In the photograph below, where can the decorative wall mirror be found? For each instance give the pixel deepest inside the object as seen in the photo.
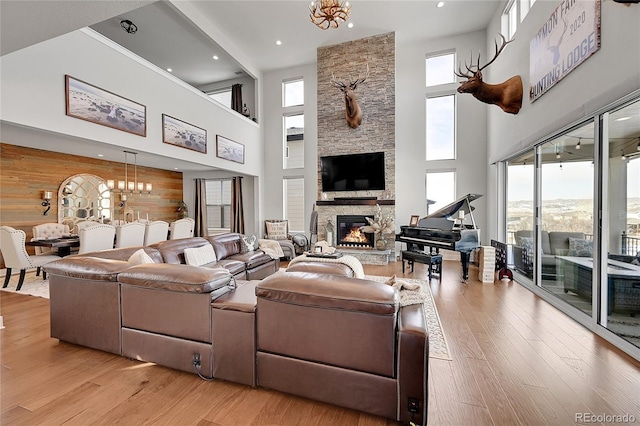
(83, 197)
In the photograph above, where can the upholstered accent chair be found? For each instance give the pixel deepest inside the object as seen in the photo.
(130, 235)
(14, 253)
(181, 228)
(155, 232)
(96, 238)
(278, 229)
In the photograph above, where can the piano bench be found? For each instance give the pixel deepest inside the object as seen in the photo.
(434, 261)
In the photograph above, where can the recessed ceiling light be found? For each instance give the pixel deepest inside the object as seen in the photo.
(623, 118)
(440, 4)
(169, 69)
(100, 155)
(350, 25)
(278, 42)
(215, 57)
(175, 168)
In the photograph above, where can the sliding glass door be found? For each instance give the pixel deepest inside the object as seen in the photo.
(566, 215)
(520, 202)
(621, 279)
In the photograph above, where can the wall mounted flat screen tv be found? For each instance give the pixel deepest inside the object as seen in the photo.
(353, 172)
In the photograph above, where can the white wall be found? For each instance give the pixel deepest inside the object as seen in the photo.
(411, 164)
(273, 140)
(611, 73)
(33, 95)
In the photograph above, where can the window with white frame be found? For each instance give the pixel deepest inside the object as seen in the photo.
(439, 69)
(293, 93)
(294, 141)
(441, 124)
(513, 14)
(218, 199)
(440, 90)
(293, 200)
(223, 96)
(440, 188)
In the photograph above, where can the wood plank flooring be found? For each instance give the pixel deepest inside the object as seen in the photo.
(516, 361)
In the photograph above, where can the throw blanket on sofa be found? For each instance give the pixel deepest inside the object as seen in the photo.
(271, 248)
(350, 261)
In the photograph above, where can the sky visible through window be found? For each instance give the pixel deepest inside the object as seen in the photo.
(440, 128)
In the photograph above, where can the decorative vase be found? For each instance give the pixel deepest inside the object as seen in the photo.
(381, 243)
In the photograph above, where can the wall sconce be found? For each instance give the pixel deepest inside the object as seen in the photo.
(46, 197)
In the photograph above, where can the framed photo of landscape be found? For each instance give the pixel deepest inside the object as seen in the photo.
(229, 150)
(182, 134)
(91, 103)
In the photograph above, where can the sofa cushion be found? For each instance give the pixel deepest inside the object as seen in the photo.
(560, 240)
(140, 257)
(183, 278)
(90, 268)
(252, 259)
(580, 247)
(226, 245)
(527, 245)
(124, 253)
(173, 250)
(234, 266)
(198, 256)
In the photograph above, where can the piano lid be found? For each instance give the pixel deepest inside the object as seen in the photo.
(450, 211)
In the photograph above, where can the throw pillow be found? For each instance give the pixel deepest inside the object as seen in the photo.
(580, 248)
(200, 255)
(140, 257)
(277, 230)
(249, 243)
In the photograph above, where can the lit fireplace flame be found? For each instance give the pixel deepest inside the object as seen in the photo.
(355, 236)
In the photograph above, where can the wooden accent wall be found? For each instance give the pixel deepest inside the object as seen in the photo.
(25, 173)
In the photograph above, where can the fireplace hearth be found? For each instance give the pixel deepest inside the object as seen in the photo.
(349, 234)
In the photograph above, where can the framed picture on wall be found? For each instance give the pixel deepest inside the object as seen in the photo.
(180, 133)
(91, 103)
(229, 150)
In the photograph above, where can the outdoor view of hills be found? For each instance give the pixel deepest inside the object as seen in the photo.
(565, 215)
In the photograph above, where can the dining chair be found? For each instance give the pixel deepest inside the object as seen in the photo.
(181, 228)
(96, 238)
(86, 224)
(130, 235)
(155, 232)
(46, 231)
(14, 253)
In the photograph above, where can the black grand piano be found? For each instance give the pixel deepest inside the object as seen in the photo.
(448, 229)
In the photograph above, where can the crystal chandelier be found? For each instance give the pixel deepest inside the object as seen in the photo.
(131, 186)
(329, 13)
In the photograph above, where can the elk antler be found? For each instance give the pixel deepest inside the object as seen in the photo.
(354, 84)
(340, 85)
(477, 66)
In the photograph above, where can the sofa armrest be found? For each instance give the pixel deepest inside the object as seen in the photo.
(413, 364)
(181, 278)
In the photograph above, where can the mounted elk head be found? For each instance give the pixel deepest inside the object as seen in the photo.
(353, 111)
(507, 95)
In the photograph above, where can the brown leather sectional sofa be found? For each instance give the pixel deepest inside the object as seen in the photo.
(315, 333)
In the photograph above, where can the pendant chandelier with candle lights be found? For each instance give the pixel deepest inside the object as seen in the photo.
(130, 186)
(329, 13)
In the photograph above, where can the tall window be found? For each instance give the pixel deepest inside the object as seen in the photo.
(223, 96)
(441, 188)
(293, 189)
(218, 204)
(441, 128)
(513, 14)
(294, 141)
(293, 93)
(440, 106)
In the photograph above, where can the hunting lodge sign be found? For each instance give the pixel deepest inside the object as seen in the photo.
(567, 39)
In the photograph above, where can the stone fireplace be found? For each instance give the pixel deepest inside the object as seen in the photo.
(349, 235)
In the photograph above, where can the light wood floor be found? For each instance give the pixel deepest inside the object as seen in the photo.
(516, 360)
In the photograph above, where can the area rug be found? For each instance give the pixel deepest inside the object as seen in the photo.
(438, 347)
(33, 286)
